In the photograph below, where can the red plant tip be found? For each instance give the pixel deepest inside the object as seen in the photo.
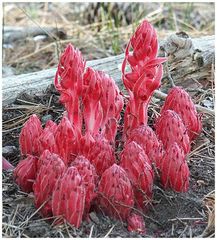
(66, 140)
(101, 154)
(70, 70)
(136, 223)
(147, 139)
(29, 135)
(170, 128)
(51, 168)
(25, 173)
(6, 165)
(89, 178)
(47, 139)
(68, 197)
(138, 168)
(115, 193)
(179, 101)
(174, 169)
(52, 126)
(46, 157)
(143, 59)
(144, 76)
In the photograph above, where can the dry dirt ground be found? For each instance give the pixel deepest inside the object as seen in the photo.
(172, 214)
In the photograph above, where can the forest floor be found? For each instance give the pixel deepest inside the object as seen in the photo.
(172, 214)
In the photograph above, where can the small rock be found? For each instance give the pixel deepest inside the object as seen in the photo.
(94, 217)
(8, 150)
(153, 226)
(45, 118)
(208, 103)
(7, 71)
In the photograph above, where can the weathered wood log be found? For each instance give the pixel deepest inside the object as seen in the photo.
(11, 33)
(189, 60)
(182, 61)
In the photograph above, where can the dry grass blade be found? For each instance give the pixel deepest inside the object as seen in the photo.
(197, 150)
(109, 232)
(91, 231)
(32, 215)
(209, 202)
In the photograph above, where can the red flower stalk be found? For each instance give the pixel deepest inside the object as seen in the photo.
(145, 76)
(179, 101)
(28, 140)
(170, 128)
(66, 140)
(136, 223)
(89, 178)
(138, 168)
(174, 169)
(25, 173)
(147, 139)
(115, 193)
(71, 70)
(102, 104)
(111, 99)
(68, 197)
(51, 168)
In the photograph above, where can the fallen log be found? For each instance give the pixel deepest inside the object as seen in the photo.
(12, 34)
(187, 59)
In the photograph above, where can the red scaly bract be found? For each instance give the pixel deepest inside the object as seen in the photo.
(136, 223)
(115, 193)
(52, 126)
(47, 138)
(66, 140)
(89, 178)
(144, 77)
(110, 129)
(170, 128)
(179, 101)
(29, 135)
(174, 169)
(101, 154)
(68, 197)
(147, 139)
(51, 168)
(138, 168)
(25, 173)
(111, 100)
(93, 113)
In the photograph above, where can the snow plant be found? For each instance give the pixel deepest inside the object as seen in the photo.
(71, 167)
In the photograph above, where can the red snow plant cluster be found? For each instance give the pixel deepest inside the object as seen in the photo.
(71, 167)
